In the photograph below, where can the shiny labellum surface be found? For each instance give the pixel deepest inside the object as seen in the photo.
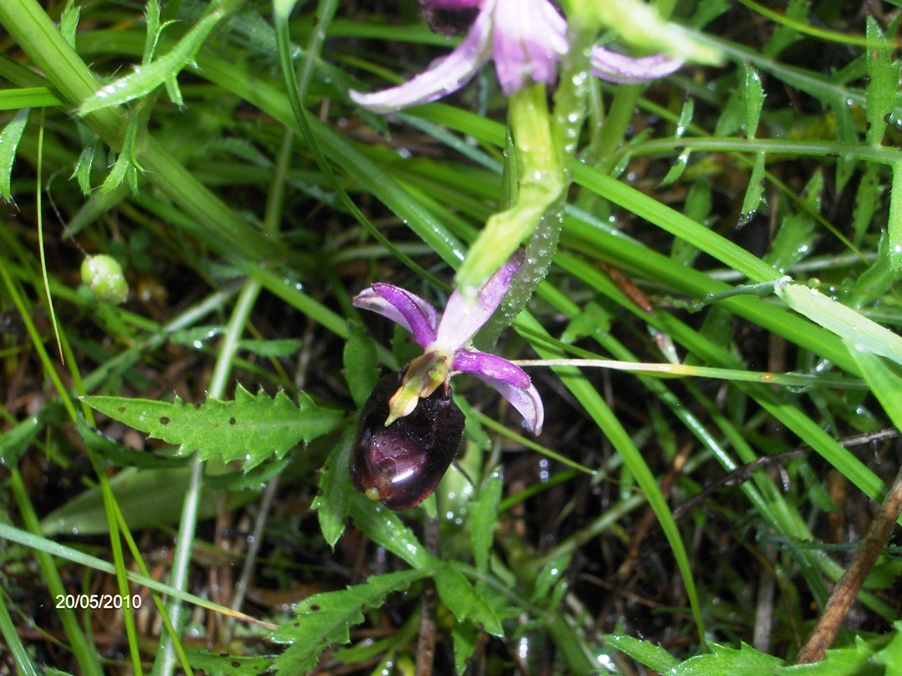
(402, 464)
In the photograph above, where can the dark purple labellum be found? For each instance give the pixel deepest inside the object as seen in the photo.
(448, 22)
(402, 464)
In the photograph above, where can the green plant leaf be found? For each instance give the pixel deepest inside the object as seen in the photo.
(894, 225)
(795, 237)
(324, 619)
(652, 656)
(69, 22)
(723, 661)
(250, 428)
(754, 194)
(386, 528)
(885, 384)
(214, 664)
(464, 636)
(15, 441)
(841, 320)
(361, 366)
(891, 654)
(162, 71)
(754, 101)
(335, 489)
(120, 455)
(274, 348)
(854, 660)
(9, 142)
(484, 516)
(462, 599)
(147, 498)
(881, 93)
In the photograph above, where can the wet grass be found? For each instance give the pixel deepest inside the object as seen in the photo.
(705, 211)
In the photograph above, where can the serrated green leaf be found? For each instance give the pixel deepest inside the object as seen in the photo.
(725, 661)
(69, 22)
(891, 654)
(461, 598)
(463, 635)
(652, 656)
(884, 575)
(162, 71)
(9, 142)
(483, 518)
(120, 455)
(881, 92)
(152, 25)
(361, 366)
(324, 619)
(754, 100)
(785, 35)
(754, 194)
(250, 428)
(82, 172)
(214, 664)
(848, 661)
(333, 502)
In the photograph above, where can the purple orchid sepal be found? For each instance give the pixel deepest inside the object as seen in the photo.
(447, 344)
(526, 39)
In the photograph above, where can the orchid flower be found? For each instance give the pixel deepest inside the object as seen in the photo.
(525, 38)
(410, 427)
(446, 344)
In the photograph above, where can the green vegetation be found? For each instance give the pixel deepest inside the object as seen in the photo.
(190, 203)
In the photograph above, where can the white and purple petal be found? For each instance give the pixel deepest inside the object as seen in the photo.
(622, 69)
(490, 366)
(527, 401)
(530, 37)
(463, 317)
(402, 307)
(447, 76)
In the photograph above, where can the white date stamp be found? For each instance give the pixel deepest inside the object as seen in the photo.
(97, 601)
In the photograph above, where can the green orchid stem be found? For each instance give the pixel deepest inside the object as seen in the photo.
(541, 183)
(554, 163)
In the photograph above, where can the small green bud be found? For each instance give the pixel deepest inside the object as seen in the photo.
(103, 275)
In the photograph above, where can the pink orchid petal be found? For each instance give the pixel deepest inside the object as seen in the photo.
(527, 401)
(463, 317)
(491, 366)
(622, 69)
(530, 37)
(402, 307)
(451, 73)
